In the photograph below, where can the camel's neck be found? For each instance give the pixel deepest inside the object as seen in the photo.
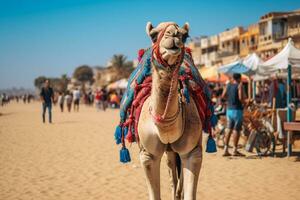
(161, 87)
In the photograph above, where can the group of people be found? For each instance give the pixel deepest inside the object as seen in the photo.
(5, 98)
(48, 99)
(68, 100)
(231, 98)
(229, 101)
(101, 97)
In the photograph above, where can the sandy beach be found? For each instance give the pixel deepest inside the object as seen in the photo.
(75, 158)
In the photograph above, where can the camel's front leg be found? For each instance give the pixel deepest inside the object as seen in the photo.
(151, 166)
(191, 163)
(173, 171)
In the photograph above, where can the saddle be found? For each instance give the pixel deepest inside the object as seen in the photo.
(191, 85)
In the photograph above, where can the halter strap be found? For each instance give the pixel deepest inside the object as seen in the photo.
(159, 62)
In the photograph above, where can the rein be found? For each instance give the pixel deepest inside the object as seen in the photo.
(161, 63)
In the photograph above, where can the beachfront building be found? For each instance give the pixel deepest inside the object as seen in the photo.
(272, 32)
(293, 27)
(195, 46)
(249, 40)
(105, 75)
(266, 38)
(209, 51)
(74, 83)
(229, 44)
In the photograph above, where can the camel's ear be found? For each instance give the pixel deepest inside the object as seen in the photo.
(185, 31)
(151, 32)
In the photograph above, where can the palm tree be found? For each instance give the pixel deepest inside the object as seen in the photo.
(118, 61)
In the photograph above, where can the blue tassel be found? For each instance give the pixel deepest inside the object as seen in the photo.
(124, 155)
(186, 94)
(213, 120)
(125, 131)
(118, 135)
(211, 145)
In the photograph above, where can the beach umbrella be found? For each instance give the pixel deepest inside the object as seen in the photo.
(219, 78)
(252, 61)
(119, 84)
(247, 65)
(211, 74)
(287, 60)
(235, 67)
(122, 84)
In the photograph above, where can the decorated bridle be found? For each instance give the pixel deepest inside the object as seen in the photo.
(159, 62)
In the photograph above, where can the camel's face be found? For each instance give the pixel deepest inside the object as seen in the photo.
(171, 43)
(172, 40)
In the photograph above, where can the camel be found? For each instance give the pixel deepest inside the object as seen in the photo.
(166, 124)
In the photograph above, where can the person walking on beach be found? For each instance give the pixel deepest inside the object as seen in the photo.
(76, 97)
(47, 98)
(103, 99)
(277, 94)
(24, 98)
(61, 100)
(234, 94)
(1, 99)
(69, 99)
(97, 99)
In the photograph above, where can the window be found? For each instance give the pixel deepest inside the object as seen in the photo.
(252, 40)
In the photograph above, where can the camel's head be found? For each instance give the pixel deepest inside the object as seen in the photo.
(170, 39)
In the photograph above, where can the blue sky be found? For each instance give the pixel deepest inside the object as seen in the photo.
(52, 37)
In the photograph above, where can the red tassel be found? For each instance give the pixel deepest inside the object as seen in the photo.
(129, 136)
(140, 54)
(188, 50)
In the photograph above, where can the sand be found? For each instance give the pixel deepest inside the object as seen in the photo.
(75, 158)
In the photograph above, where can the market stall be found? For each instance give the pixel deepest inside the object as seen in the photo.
(119, 84)
(287, 61)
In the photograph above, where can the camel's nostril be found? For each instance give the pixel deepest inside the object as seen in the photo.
(175, 33)
(174, 47)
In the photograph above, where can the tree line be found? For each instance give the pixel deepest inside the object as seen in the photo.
(85, 74)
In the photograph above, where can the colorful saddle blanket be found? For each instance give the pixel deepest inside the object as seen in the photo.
(139, 89)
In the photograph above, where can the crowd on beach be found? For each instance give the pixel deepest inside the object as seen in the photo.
(259, 111)
(230, 101)
(6, 99)
(101, 98)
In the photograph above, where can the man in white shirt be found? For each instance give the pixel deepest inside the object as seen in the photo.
(76, 97)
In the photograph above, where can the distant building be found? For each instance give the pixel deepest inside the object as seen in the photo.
(104, 76)
(249, 40)
(75, 84)
(209, 51)
(195, 46)
(229, 45)
(293, 21)
(266, 38)
(274, 30)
